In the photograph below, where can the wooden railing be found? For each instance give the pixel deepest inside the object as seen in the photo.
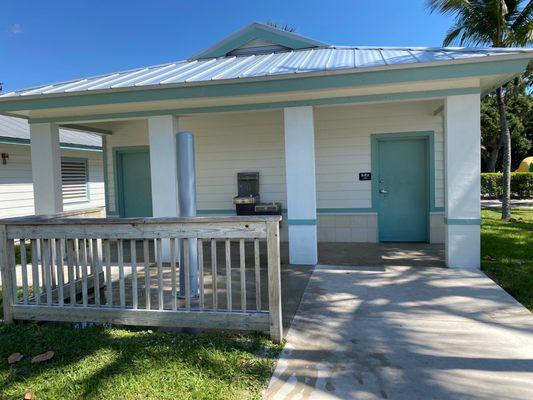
(112, 271)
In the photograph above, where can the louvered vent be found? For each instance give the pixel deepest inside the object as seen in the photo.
(74, 180)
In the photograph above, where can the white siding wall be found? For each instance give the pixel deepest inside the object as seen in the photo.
(253, 141)
(343, 146)
(16, 188)
(225, 144)
(231, 143)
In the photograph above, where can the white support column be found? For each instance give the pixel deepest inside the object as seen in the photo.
(163, 169)
(46, 168)
(301, 184)
(462, 181)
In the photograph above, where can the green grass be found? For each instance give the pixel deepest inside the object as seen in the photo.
(108, 363)
(507, 252)
(112, 363)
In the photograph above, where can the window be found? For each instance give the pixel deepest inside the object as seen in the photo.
(74, 178)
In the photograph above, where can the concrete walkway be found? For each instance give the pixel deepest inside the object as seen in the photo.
(527, 203)
(405, 333)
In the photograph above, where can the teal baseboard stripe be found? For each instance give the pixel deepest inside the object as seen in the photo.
(344, 210)
(301, 221)
(437, 209)
(462, 221)
(215, 212)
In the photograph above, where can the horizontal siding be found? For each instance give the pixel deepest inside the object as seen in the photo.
(343, 147)
(230, 143)
(225, 145)
(16, 188)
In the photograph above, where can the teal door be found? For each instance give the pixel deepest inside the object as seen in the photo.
(402, 190)
(134, 183)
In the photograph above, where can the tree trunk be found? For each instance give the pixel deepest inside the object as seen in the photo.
(506, 140)
(492, 159)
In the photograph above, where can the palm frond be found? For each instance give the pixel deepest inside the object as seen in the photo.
(447, 6)
(498, 23)
(453, 36)
(522, 26)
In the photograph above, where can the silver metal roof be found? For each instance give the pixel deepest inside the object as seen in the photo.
(18, 128)
(321, 59)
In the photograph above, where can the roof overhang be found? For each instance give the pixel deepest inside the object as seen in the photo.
(484, 74)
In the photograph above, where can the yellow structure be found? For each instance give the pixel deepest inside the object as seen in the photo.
(525, 165)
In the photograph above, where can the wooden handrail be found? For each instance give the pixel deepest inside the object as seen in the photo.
(63, 239)
(59, 219)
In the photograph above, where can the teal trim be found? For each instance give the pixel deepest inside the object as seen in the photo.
(269, 85)
(215, 212)
(269, 106)
(106, 176)
(257, 31)
(26, 142)
(8, 140)
(284, 211)
(301, 221)
(430, 135)
(87, 179)
(81, 128)
(81, 147)
(84, 128)
(117, 173)
(462, 221)
(344, 210)
(224, 212)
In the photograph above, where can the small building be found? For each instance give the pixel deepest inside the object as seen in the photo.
(81, 166)
(358, 144)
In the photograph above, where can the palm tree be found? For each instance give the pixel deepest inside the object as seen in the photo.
(496, 23)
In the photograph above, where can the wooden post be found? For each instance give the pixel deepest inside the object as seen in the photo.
(274, 282)
(7, 275)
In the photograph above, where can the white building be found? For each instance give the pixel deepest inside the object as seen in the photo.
(82, 169)
(358, 144)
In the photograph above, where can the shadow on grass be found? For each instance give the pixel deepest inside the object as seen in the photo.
(100, 362)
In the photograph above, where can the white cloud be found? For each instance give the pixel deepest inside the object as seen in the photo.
(15, 29)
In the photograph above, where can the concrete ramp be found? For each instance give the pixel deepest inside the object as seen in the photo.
(405, 333)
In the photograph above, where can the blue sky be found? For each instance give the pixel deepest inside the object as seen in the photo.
(49, 41)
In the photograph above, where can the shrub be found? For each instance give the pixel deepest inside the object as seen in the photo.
(521, 185)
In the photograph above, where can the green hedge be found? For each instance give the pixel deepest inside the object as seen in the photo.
(521, 185)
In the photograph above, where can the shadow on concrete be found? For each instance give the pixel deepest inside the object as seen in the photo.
(403, 332)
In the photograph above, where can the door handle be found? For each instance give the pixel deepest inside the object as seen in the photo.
(383, 191)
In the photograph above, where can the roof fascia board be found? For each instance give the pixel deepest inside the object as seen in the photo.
(294, 83)
(72, 127)
(66, 146)
(257, 31)
(418, 95)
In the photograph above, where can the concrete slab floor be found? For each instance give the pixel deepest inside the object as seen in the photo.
(382, 254)
(396, 332)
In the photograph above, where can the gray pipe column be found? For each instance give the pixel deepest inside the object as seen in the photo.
(187, 204)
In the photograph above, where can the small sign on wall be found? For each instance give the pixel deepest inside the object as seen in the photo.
(365, 176)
